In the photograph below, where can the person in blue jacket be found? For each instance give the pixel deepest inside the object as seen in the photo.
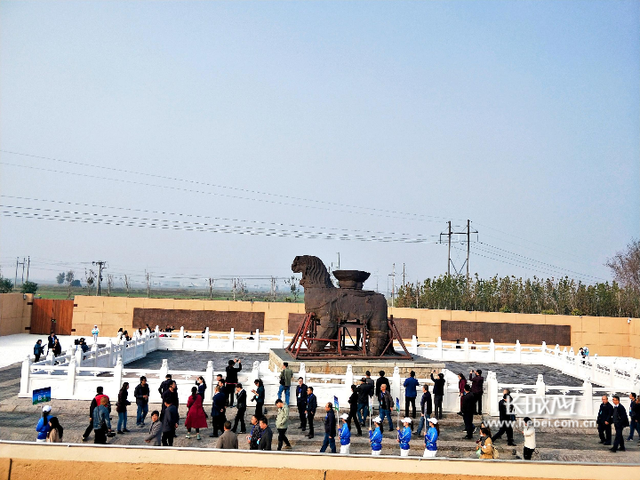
(431, 439)
(410, 394)
(345, 435)
(38, 350)
(375, 437)
(43, 424)
(404, 437)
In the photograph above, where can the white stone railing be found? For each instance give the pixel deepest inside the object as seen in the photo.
(613, 373)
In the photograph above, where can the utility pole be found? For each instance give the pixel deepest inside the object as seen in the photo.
(393, 286)
(211, 283)
(28, 266)
(101, 266)
(450, 233)
(148, 277)
(404, 275)
(338, 261)
(23, 265)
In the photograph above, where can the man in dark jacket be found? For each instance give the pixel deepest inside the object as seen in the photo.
(438, 394)
(218, 409)
(301, 401)
(410, 394)
(353, 410)
(255, 433)
(94, 404)
(425, 409)
(312, 405)
(164, 386)
(232, 379)
(634, 416)
(620, 421)
(468, 410)
(365, 391)
(382, 380)
(506, 420)
(265, 435)
(241, 405)
(604, 419)
(477, 388)
(228, 440)
(170, 419)
(329, 429)
(386, 406)
(171, 395)
(141, 393)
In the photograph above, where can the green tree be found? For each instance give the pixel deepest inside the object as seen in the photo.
(6, 285)
(60, 278)
(29, 287)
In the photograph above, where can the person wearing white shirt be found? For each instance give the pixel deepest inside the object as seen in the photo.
(529, 433)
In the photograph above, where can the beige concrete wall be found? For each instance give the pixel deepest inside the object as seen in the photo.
(56, 461)
(15, 313)
(603, 335)
(111, 313)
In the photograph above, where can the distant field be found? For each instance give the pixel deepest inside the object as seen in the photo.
(55, 292)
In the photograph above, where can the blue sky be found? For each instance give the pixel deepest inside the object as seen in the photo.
(521, 116)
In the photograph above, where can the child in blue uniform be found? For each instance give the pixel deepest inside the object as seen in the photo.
(404, 437)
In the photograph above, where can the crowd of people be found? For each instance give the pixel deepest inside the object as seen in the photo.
(614, 414)
(229, 392)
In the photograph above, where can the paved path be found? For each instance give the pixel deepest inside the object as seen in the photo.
(18, 419)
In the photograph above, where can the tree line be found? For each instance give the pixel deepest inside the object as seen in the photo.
(563, 296)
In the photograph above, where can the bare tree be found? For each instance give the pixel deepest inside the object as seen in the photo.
(109, 284)
(69, 277)
(294, 286)
(625, 266)
(127, 283)
(90, 279)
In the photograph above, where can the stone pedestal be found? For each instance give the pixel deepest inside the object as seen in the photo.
(422, 366)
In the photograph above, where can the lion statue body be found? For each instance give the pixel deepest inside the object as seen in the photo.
(332, 305)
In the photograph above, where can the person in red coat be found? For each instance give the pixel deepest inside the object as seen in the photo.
(196, 417)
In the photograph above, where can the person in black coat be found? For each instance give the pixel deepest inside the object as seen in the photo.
(353, 410)
(218, 409)
(170, 420)
(604, 419)
(506, 420)
(477, 388)
(164, 386)
(265, 435)
(365, 392)
(426, 407)
(301, 401)
(232, 379)
(382, 380)
(329, 429)
(312, 405)
(171, 395)
(468, 410)
(94, 404)
(438, 394)
(620, 421)
(241, 405)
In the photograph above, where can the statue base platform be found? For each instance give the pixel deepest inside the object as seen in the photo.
(422, 366)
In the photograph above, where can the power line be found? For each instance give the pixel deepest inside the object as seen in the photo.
(165, 224)
(377, 211)
(207, 217)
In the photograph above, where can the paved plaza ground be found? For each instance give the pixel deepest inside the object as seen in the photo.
(18, 418)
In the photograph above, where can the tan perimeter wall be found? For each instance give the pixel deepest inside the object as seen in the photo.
(603, 335)
(15, 313)
(61, 462)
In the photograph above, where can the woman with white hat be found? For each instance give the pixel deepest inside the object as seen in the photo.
(375, 437)
(404, 437)
(431, 439)
(43, 424)
(345, 435)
